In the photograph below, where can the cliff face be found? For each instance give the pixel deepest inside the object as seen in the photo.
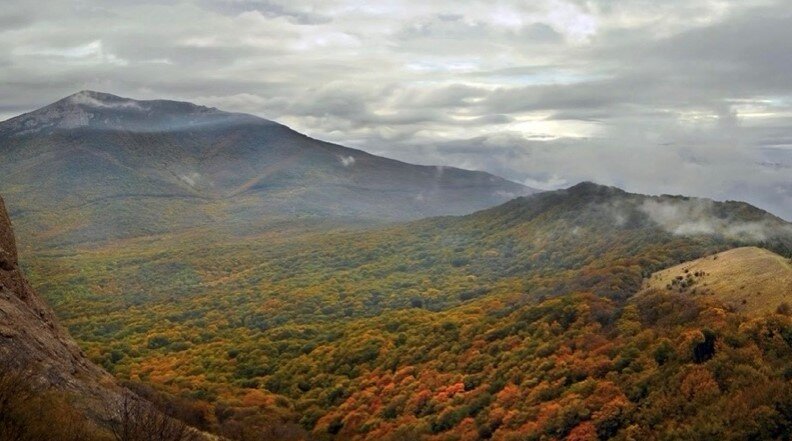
(32, 341)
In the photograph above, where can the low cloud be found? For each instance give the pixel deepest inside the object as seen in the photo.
(85, 99)
(347, 161)
(691, 217)
(190, 179)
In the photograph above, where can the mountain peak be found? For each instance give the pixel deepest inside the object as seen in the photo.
(92, 98)
(591, 188)
(96, 94)
(105, 111)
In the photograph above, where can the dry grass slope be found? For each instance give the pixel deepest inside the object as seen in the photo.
(749, 279)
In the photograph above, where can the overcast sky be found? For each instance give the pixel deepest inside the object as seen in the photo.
(676, 96)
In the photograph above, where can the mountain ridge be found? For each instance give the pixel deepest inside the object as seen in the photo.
(85, 109)
(101, 100)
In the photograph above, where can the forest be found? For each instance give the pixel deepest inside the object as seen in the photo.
(522, 322)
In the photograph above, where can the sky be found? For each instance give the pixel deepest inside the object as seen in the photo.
(686, 97)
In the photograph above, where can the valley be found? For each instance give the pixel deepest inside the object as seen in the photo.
(303, 328)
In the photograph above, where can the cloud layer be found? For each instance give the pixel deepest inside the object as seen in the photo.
(689, 97)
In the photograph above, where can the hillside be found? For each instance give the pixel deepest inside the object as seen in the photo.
(747, 279)
(511, 321)
(115, 167)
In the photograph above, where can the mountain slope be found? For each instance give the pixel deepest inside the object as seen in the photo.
(747, 279)
(115, 167)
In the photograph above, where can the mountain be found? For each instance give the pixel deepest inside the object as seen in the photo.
(116, 167)
(747, 279)
(516, 322)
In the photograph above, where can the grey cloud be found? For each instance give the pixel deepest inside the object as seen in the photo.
(11, 20)
(540, 32)
(454, 95)
(698, 216)
(685, 97)
(268, 8)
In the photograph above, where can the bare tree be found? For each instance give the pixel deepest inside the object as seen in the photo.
(31, 413)
(14, 391)
(136, 420)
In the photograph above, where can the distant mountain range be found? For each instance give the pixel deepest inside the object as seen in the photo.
(113, 167)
